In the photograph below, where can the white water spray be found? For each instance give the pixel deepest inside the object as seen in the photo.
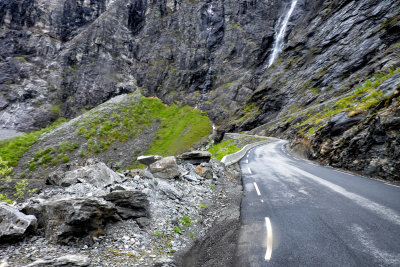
(278, 43)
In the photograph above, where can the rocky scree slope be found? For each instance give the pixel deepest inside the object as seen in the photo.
(92, 216)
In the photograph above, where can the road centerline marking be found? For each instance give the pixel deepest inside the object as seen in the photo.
(256, 187)
(268, 253)
(249, 170)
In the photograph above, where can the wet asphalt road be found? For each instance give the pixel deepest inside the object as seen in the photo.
(295, 213)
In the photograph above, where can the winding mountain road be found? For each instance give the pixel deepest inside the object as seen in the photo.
(295, 213)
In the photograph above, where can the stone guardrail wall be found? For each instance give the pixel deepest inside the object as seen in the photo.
(235, 157)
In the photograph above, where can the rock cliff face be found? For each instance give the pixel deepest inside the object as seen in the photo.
(58, 57)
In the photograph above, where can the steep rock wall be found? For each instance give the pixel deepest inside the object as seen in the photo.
(60, 57)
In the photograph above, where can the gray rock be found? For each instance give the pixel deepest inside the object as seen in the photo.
(143, 222)
(147, 174)
(192, 175)
(341, 122)
(66, 260)
(147, 160)
(204, 171)
(169, 190)
(14, 224)
(99, 175)
(129, 204)
(70, 218)
(195, 157)
(166, 168)
(58, 178)
(86, 190)
(392, 123)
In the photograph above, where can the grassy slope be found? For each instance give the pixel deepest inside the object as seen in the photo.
(104, 131)
(232, 144)
(12, 149)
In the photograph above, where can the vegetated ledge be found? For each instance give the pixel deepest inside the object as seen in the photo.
(358, 132)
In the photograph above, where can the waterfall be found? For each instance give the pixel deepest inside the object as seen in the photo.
(280, 35)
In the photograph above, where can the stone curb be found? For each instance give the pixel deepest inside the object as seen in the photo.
(235, 157)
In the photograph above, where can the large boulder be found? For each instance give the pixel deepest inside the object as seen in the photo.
(72, 218)
(129, 204)
(99, 175)
(147, 160)
(166, 168)
(14, 224)
(195, 157)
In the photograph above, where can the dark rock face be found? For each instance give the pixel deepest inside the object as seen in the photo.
(195, 157)
(129, 204)
(371, 147)
(68, 219)
(59, 57)
(71, 55)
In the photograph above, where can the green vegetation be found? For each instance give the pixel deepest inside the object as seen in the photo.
(185, 221)
(11, 150)
(56, 110)
(314, 90)
(52, 156)
(364, 98)
(223, 148)
(5, 170)
(248, 111)
(20, 187)
(177, 230)
(180, 128)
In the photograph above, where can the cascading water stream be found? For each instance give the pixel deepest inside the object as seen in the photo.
(280, 35)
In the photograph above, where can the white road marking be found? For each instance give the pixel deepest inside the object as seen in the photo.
(249, 170)
(247, 161)
(247, 155)
(256, 187)
(268, 253)
(386, 213)
(392, 185)
(262, 201)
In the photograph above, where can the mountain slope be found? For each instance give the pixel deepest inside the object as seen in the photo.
(60, 57)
